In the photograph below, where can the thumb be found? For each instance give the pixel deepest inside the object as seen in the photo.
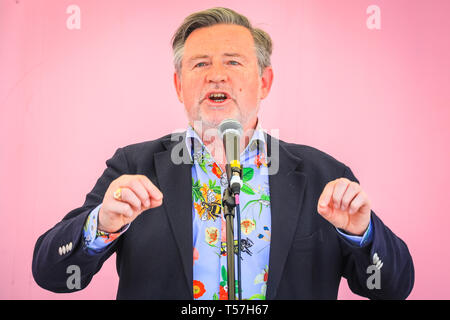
(323, 205)
(324, 209)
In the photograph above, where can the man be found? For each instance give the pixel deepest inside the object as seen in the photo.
(306, 221)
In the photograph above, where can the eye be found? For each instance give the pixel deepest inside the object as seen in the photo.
(234, 63)
(200, 64)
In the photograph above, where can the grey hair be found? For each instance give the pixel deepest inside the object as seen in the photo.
(218, 15)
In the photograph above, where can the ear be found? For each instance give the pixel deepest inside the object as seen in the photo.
(177, 83)
(266, 81)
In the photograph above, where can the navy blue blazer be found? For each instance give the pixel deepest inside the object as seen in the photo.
(307, 259)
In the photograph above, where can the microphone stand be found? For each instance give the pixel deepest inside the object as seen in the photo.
(230, 202)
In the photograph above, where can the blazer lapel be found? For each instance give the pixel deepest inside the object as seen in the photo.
(176, 185)
(287, 188)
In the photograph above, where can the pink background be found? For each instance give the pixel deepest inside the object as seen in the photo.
(378, 100)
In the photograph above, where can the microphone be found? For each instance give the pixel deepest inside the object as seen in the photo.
(230, 131)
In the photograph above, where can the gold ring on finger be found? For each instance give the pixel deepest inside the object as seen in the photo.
(118, 194)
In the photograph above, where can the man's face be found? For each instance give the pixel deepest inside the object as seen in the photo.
(220, 76)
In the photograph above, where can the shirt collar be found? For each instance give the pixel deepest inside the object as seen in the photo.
(258, 141)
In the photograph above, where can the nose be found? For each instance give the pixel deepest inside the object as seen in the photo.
(216, 74)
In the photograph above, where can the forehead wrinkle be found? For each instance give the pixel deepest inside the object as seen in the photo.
(235, 55)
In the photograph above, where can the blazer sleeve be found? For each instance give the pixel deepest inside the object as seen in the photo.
(382, 269)
(62, 247)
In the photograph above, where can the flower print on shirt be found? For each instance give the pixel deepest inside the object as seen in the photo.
(223, 289)
(247, 226)
(261, 278)
(216, 170)
(107, 237)
(260, 160)
(196, 255)
(262, 201)
(209, 232)
(199, 289)
(203, 159)
(211, 236)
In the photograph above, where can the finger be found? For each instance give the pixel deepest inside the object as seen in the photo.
(339, 189)
(155, 203)
(351, 192)
(122, 208)
(139, 189)
(325, 197)
(152, 190)
(358, 203)
(127, 195)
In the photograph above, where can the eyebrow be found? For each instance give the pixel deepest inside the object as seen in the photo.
(199, 56)
(204, 56)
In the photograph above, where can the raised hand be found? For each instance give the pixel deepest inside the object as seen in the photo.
(126, 198)
(345, 205)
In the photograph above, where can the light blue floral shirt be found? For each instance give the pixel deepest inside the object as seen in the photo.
(209, 238)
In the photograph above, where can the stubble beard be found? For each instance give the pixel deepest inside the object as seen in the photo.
(202, 122)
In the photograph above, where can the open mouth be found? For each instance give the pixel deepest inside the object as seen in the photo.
(217, 97)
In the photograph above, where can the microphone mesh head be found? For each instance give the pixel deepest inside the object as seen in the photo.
(232, 125)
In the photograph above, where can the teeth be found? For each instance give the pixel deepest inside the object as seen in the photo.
(218, 95)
